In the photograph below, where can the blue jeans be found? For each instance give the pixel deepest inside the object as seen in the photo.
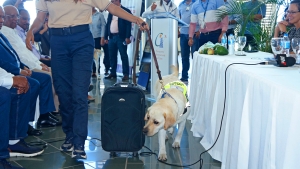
(72, 58)
(185, 53)
(116, 43)
(14, 117)
(42, 86)
(212, 36)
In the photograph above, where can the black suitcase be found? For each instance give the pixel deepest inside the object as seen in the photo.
(122, 118)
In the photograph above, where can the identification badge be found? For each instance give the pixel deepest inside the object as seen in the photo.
(187, 8)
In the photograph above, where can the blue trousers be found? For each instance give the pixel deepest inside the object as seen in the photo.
(115, 44)
(186, 50)
(72, 58)
(212, 36)
(14, 117)
(41, 83)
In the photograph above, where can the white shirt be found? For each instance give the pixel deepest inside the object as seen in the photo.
(164, 8)
(6, 79)
(25, 55)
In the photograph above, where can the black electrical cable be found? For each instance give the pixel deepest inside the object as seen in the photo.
(146, 154)
(201, 160)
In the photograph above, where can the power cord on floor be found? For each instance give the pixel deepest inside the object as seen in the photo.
(146, 154)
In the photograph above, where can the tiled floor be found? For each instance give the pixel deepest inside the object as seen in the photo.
(97, 158)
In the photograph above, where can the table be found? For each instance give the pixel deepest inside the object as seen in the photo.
(262, 116)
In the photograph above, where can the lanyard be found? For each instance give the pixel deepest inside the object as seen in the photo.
(205, 9)
(169, 6)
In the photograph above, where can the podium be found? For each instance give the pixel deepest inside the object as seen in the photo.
(164, 34)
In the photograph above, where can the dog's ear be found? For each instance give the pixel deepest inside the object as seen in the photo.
(146, 116)
(169, 120)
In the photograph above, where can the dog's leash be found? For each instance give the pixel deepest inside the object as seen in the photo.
(159, 72)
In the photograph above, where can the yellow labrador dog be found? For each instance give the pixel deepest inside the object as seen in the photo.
(167, 112)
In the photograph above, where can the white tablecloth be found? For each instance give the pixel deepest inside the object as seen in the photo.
(262, 117)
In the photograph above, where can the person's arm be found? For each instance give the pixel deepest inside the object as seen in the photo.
(119, 12)
(150, 10)
(102, 23)
(128, 28)
(37, 24)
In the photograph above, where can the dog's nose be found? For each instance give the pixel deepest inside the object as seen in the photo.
(145, 131)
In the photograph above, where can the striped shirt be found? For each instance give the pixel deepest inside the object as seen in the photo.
(204, 13)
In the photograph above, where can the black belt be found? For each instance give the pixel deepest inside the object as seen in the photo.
(69, 30)
(114, 34)
(212, 32)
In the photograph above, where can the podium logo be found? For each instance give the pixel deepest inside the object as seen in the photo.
(159, 40)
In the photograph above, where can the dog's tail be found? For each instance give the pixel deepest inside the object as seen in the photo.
(174, 70)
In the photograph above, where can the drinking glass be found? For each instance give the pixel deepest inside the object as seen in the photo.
(276, 45)
(296, 48)
(241, 43)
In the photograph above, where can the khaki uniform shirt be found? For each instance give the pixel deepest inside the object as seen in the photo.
(66, 13)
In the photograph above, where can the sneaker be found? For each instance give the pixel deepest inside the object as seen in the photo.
(110, 76)
(67, 146)
(22, 149)
(99, 77)
(6, 165)
(91, 87)
(79, 152)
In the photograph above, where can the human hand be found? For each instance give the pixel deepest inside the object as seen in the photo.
(191, 42)
(45, 67)
(143, 25)
(102, 42)
(21, 83)
(28, 70)
(286, 23)
(25, 73)
(153, 6)
(29, 40)
(128, 41)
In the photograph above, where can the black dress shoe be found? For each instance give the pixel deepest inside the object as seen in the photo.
(55, 113)
(33, 132)
(110, 76)
(47, 122)
(53, 117)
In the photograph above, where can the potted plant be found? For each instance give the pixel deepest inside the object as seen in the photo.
(263, 32)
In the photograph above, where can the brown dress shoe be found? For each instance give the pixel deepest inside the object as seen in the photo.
(126, 77)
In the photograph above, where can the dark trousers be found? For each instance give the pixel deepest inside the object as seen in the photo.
(42, 87)
(106, 61)
(186, 50)
(251, 41)
(14, 117)
(72, 58)
(212, 36)
(115, 44)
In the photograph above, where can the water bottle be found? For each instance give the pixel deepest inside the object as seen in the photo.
(224, 40)
(286, 44)
(231, 42)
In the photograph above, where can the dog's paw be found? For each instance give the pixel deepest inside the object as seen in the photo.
(162, 157)
(170, 130)
(176, 145)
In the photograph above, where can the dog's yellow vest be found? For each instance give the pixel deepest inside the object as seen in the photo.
(178, 85)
